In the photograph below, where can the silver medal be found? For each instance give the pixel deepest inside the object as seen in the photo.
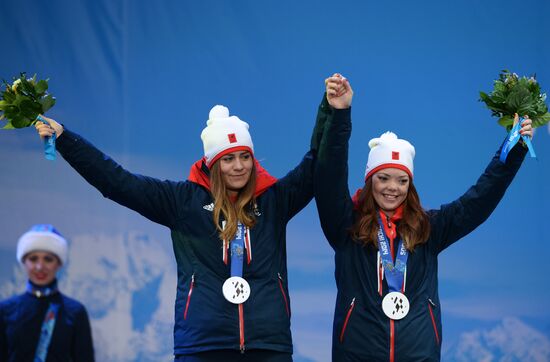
(395, 305)
(236, 290)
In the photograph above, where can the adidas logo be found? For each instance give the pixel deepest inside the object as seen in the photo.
(210, 207)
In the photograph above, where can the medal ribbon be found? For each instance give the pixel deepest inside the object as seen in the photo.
(49, 142)
(395, 273)
(46, 333)
(512, 139)
(237, 252)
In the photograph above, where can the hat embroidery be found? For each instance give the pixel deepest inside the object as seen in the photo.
(232, 138)
(395, 155)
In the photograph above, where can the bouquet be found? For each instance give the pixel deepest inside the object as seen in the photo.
(23, 100)
(22, 103)
(513, 94)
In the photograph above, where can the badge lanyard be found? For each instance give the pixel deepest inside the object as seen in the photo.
(46, 333)
(395, 273)
(237, 252)
(395, 304)
(236, 289)
(513, 138)
(49, 142)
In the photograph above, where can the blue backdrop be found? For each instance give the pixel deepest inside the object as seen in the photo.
(138, 78)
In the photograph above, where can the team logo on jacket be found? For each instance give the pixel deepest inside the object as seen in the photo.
(256, 210)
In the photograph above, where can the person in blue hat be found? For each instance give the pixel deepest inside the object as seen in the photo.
(42, 324)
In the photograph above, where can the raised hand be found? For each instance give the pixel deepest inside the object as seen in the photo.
(339, 92)
(47, 130)
(526, 126)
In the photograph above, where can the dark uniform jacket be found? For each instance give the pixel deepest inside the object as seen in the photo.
(204, 320)
(21, 319)
(361, 330)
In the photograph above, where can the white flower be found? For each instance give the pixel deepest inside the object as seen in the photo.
(15, 84)
(532, 80)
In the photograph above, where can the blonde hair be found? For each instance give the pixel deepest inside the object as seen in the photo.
(232, 211)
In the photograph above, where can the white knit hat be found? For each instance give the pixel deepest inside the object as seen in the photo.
(388, 151)
(42, 237)
(224, 134)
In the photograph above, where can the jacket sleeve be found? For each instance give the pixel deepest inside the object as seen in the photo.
(152, 198)
(296, 188)
(83, 347)
(334, 203)
(460, 217)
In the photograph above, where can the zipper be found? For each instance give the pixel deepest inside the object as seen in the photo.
(348, 315)
(241, 327)
(283, 293)
(432, 305)
(392, 340)
(189, 296)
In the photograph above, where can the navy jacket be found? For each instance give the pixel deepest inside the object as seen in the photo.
(204, 320)
(361, 331)
(21, 319)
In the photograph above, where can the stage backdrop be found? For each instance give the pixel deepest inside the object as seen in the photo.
(138, 78)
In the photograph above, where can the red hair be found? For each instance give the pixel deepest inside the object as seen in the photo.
(414, 227)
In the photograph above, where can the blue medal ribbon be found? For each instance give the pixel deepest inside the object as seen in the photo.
(394, 272)
(49, 142)
(237, 252)
(512, 139)
(46, 333)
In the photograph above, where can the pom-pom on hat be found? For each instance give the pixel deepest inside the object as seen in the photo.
(224, 134)
(388, 151)
(42, 237)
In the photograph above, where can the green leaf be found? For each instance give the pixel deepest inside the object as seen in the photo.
(20, 122)
(26, 88)
(41, 87)
(8, 126)
(517, 99)
(9, 97)
(30, 109)
(506, 121)
(11, 111)
(47, 102)
(541, 120)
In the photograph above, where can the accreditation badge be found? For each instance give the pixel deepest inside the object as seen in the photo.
(395, 305)
(236, 290)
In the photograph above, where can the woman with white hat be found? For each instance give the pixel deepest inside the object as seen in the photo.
(42, 324)
(228, 226)
(386, 245)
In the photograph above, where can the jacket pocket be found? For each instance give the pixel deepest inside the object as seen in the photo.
(285, 300)
(431, 306)
(346, 320)
(191, 286)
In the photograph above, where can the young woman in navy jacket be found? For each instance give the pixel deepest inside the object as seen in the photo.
(228, 226)
(386, 245)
